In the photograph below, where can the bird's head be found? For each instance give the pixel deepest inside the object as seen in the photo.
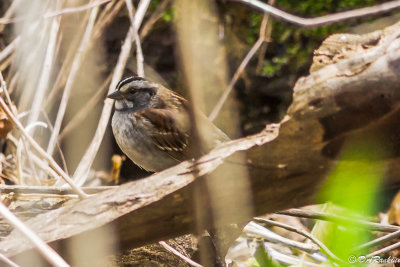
(133, 94)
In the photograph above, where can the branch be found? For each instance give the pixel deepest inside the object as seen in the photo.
(303, 233)
(323, 20)
(76, 65)
(214, 113)
(340, 220)
(44, 249)
(58, 13)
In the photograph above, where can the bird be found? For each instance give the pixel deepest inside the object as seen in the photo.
(151, 125)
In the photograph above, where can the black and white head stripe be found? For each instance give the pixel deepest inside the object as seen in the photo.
(128, 80)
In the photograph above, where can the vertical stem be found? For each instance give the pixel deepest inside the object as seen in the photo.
(46, 69)
(71, 78)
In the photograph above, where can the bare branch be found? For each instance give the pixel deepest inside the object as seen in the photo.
(257, 230)
(8, 261)
(44, 79)
(303, 233)
(43, 248)
(9, 49)
(26, 189)
(378, 241)
(156, 15)
(139, 53)
(264, 46)
(180, 255)
(214, 113)
(80, 55)
(323, 20)
(384, 250)
(58, 13)
(340, 220)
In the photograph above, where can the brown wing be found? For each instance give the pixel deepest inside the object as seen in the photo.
(167, 133)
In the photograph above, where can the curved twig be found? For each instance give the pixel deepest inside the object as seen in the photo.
(322, 20)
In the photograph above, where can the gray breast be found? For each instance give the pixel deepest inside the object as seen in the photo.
(136, 143)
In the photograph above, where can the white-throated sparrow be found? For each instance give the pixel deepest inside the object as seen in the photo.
(152, 127)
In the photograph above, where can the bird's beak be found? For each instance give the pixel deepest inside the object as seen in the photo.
(116, 95)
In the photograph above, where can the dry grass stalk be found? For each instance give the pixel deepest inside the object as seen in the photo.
(43, 248)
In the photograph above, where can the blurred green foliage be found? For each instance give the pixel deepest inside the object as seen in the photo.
(354, 185)
(294, 46)
(168, 16)
(262, 259)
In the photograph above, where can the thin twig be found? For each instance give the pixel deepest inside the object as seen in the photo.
(180, 255)
(322, 20)
(287, 259)
(44, 78)
(29, 189)
(30, 161)
(3, 87)
(65, 68)
(18, 156)
(61, 79)
(9, 13)
(314, 230)
(5, 52)
(140, 12)
(43, 248)
(106, 19)
(70, 10)
(214, 113)
(340, 220)
(264, 46)
(83, 168)
(5, 64)
(255, 229)
(139, 52)
(79, 56)
(378, 241)
(21, 142)
(38, 161)
(58, 197)
(40, 150)
(58, 13)
(106, 9)
(384, 250)
(13, 82)
(303, 233)
(51, 128)
(8, 261)
(155, 16)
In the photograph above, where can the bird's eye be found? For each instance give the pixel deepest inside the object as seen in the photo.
(133, 91)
